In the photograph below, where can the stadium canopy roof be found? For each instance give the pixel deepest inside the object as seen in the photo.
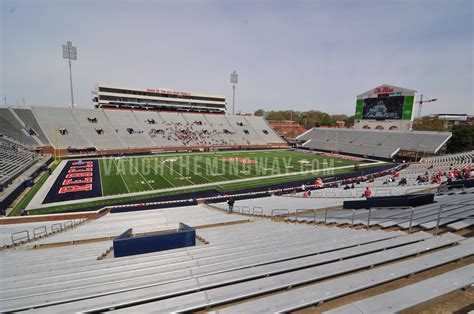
(387, 89)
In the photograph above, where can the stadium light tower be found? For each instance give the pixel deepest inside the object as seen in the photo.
(234, 78)
(70, 53)
(421, 102)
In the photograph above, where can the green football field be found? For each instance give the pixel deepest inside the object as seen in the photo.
(238, 169)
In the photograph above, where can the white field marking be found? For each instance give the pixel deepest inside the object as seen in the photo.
(213, 175)
(192, 183)
(101, 184)
(200, 175)
(163, 176)
(130, 162)
(194, 154)
(126, 186)
(205, 185)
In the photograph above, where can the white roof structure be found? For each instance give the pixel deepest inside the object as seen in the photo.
(386, 89)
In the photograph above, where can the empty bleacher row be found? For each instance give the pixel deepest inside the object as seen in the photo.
(142, 222)
(454, 212)
(104, 130)
(11, 126)
(371, 142)
(240, 261)
(451, 159)
(14, 159)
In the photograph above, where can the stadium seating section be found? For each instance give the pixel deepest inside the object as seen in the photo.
(114, 130)
(14, 159)
(266, 257)
(373, 143)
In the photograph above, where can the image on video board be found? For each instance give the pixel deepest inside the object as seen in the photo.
(383, 108)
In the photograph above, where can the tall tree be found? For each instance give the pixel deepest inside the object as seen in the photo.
(462, 139)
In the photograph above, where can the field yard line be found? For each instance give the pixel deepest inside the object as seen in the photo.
(163, 176)
(101, 184)
(130, 162)
(116, 167)
(179, 174)
(201, 176)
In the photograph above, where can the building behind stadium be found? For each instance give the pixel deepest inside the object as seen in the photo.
(115, 96)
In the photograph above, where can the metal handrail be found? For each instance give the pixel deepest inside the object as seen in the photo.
(279, 209)
(259, 209)
(21, 238)
(301, 210)
(247, 208)
(383, 190)
(438, 219)
(68, 224)
(370, 217)
(393, 218)
(53, 229)
(44, 231)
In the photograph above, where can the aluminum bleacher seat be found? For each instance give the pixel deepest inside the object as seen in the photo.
(90, 121)
(128, 129)
(404, 298)
(298, 298)
(29, 120)
(244, 129)
(220, 123)
(14, 160)
(12, 127)
(374, 143)
(52, 120)
(265, 131)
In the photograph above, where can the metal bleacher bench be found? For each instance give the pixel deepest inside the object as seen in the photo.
(412, 295)
(310, 295)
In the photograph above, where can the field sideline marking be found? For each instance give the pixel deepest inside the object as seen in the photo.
(126, 186)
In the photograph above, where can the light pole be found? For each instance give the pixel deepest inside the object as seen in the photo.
(70, 53)
(5, 100)
(234, 78)
(421, 102)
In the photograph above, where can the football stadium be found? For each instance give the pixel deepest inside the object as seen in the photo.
(158, 200)
(135, 207)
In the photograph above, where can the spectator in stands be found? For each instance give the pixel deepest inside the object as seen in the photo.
(346, 187)
(403, 181)
(303, 187)
(230, 203)
(367, 192)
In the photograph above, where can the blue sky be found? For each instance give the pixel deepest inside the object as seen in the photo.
(299, 55)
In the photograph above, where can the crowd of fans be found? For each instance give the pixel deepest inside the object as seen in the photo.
(441, 177)
(194, 133)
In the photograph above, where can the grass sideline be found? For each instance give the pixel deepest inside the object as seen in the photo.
(23, 203)
(222, 188)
